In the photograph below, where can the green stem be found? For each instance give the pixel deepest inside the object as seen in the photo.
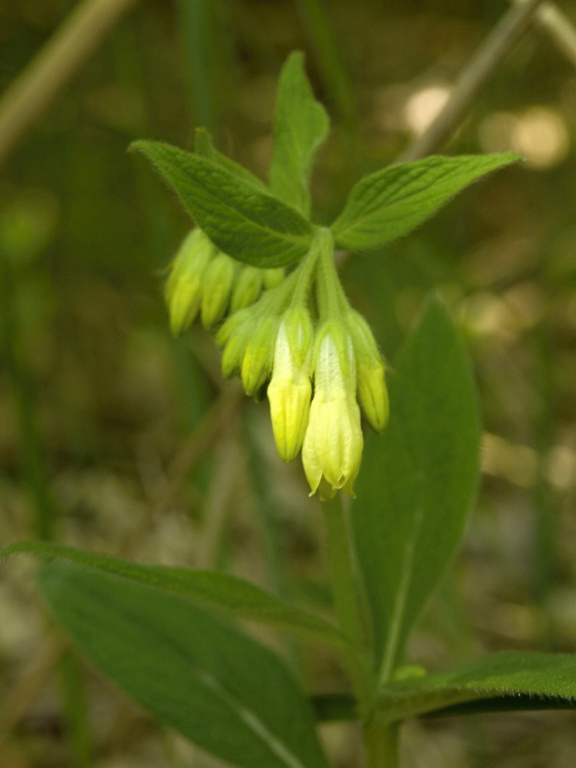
(75, 708)
(304, 276)
(381, 743)
(347, 602)
(330, 291)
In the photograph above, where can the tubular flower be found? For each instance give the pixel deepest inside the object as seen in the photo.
(183, 290)
(370, 372)
(204, 280)
(217, 287)
(258, 355)
(333, 443)
(290, 388)
(247, 289)
(297, 333)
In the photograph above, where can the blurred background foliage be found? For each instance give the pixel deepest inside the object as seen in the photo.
(117, 438)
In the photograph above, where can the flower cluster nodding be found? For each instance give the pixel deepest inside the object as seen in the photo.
(294, 336)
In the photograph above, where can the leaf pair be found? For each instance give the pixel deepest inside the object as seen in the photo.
(270, 227)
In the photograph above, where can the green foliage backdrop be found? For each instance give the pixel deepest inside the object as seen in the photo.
(115, 438)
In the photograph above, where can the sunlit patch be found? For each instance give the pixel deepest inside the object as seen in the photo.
(561, 467)
(486, 314)
(540, 134)
(513, 462)
(424, 105)
(505, 316)
(542, 137)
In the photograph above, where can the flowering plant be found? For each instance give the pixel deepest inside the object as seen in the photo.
(296, 329)
(257, 269)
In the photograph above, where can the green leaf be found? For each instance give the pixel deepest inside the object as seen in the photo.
(300, 126)
(204, 147)
(245, 222)
(391, 202)
(217, 687)
(417, 483)
(217, 591)
(504, 681)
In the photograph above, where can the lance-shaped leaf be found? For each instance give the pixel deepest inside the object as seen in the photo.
(219, 688)
(505, 681)
(220, 592)
(204, 147)
(391, 202)
(244, 221)
(300, 126)
(417, 483)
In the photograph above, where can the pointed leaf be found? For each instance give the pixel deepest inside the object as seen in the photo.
(391, 202)
(300, 126)
(504, 681)
(244, 221)
(217, 687)
(417, 483)
(218, 591)
(204, 147)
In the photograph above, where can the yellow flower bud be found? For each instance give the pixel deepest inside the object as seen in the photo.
(373, 395)
(290, 388)
(216, 287)
(257, 360)
(183, 290)
(184, 303)
(233, 336)
(247, 289)
(370, 372)
(333, 443)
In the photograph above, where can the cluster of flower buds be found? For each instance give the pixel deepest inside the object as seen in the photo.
(205, 282)
(345, 368)
(296, 339)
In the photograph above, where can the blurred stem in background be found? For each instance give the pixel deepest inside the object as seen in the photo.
(336, 75)
(544, 501)
(36, 479)
(197, 32)
(54, 66)
(34, 471)
(500, 41)
(38, 86)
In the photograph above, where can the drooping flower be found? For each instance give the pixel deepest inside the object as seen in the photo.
(332, 448)
(217, 285)
(290, 388)
(298, 335)
(370, 372)
(204, 280)
(183, 290)
(258, 355)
